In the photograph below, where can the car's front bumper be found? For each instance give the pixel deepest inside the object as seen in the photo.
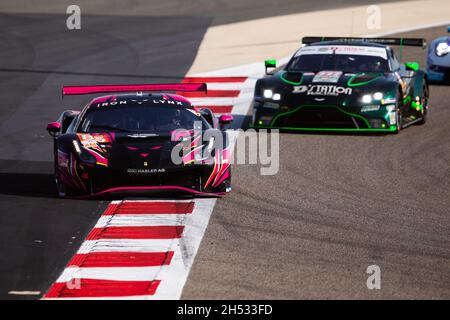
(326, 118)
(192, 179)
(438, 74)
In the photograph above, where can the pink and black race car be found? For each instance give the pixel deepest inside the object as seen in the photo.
(140, 142)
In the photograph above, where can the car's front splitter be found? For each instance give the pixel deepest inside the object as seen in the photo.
(142, 190)
(438, 77)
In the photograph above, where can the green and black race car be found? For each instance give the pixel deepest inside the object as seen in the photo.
(343, 84)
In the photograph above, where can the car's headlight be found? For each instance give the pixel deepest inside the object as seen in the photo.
(378, 95)
(442, 49)
(269, 94)
(368, 98)
(276, 97)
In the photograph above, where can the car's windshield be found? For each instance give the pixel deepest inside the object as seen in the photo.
(349, 63)
(139, 119)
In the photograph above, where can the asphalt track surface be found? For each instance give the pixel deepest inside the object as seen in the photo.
(338, 204)
(219, 12)
(39, 232)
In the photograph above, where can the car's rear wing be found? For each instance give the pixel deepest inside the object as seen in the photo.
(188, 87)
(414, 42)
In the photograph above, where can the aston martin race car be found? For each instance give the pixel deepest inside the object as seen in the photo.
(343, 84)
(438, 60)
(140, 142)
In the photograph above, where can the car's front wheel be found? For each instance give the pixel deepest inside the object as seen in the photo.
(399, 120)
(61, 188)
(425, 96)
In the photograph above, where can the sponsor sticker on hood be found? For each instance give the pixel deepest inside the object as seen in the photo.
(91, 140)
(327, 76)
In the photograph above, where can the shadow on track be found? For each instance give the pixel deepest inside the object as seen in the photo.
(28, 184)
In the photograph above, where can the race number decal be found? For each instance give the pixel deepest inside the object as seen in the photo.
(327, 76)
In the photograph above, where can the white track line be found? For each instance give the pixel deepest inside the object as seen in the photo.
(143, 220)
(124, 245)
(173, 276)
(114, 273)
(172, 281)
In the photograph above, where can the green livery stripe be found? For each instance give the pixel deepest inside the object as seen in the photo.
(351, 84)
(391, 129)
(291, 82)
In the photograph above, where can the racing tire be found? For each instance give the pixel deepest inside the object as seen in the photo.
(398, 114)
(61, 188)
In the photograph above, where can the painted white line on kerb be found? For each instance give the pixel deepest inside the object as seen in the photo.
(127, 245)
(114, 273)
(172, 276)
(173, 280)
(127, 220)
(24, 293)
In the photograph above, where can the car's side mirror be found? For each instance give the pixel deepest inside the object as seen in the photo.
(412, 66)
(54, 128)
(448, 29)
(270, 64)
(225, 119)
